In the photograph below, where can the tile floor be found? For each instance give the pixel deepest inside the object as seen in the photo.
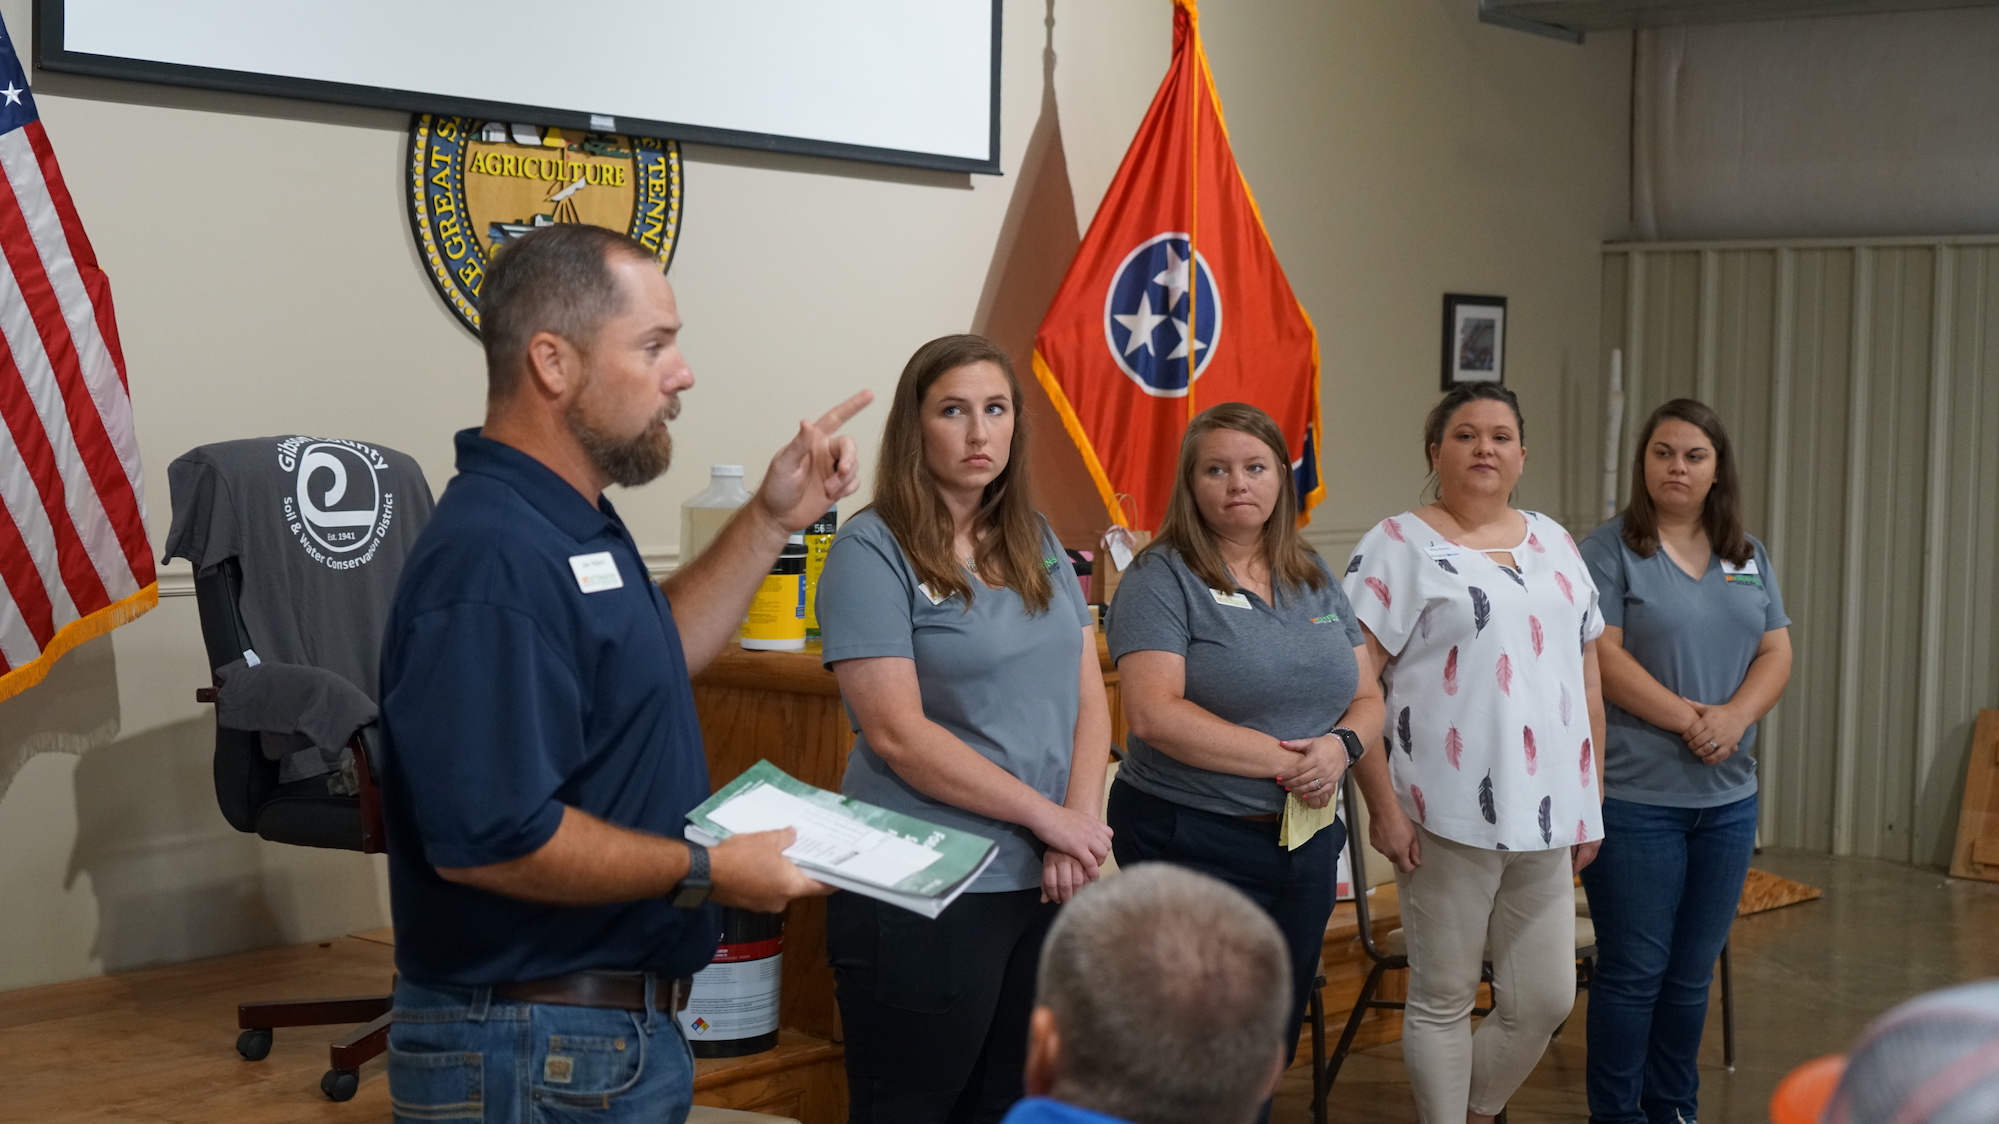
(1807, 979)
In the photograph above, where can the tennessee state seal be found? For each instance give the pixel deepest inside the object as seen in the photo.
(476, 185)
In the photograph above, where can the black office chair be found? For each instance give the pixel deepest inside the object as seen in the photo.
(297, 543)
(1389, 955)
(303, 814)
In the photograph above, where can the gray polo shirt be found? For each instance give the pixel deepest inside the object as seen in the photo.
(1000, 679)
(1697, 638)
(1286, 670)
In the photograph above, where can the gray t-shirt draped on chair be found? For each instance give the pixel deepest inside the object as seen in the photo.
(1286, 670)
(321, 526)
(1697, 637)
(1001, 680)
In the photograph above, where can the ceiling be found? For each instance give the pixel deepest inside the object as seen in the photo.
(1568, 19)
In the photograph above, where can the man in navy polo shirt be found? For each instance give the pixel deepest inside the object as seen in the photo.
(542, 751)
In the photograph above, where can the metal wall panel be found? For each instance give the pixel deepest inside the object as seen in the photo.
(1860, 382)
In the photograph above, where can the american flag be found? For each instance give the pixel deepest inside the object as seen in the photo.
(74, 560)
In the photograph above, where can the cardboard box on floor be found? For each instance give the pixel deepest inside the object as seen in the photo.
(1977, 851)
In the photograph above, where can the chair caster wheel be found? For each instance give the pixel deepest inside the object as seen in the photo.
(340, 1084)
(254, 1045)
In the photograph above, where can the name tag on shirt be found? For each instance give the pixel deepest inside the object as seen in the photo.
(935, 597)
(1745, 573)
(597, 572)
(1234, 600)
(1442, 550)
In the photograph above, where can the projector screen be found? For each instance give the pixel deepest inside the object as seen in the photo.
(912, 82)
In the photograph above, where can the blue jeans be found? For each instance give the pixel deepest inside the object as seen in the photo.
(456, 1053)
(1662, 892)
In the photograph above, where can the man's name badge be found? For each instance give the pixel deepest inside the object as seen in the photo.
(597, 572)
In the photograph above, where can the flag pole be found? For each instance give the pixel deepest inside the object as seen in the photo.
(1193, 197)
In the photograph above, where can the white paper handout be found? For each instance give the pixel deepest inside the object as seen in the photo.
(826, 838)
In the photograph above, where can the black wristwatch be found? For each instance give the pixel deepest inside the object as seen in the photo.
(693, 889)
(1355, 750)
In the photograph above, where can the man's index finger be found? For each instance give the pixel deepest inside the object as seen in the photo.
(836, 417)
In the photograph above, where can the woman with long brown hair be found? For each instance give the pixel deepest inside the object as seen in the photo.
(968, 662)
(1696, 650)
(1241, 670)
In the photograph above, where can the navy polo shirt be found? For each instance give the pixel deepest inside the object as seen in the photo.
(507, 693)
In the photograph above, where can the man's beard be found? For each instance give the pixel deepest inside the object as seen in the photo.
(628, 461)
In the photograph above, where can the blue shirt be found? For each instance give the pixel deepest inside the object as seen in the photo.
(507, 693)
(1697, 637)
(1041, 1110)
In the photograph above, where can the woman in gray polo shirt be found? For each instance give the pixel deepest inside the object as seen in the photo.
(1240, 665)
(1695, 651)
(969, 665)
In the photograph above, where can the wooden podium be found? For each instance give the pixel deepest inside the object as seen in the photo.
(782, 706)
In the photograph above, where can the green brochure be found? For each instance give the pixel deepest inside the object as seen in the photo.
(902, 860)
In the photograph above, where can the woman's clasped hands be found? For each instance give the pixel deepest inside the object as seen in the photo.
(1716, 731)
(1078, 843)
(1315, 779)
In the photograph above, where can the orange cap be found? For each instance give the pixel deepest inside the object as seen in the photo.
(1805, 1091)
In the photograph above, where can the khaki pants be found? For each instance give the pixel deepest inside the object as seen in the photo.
(1460, 902)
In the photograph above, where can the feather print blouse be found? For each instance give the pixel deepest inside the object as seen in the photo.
(1488, 729)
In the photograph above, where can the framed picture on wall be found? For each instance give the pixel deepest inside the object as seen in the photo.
(1474, 339)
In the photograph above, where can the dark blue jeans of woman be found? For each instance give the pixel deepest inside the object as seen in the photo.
(1662, 892)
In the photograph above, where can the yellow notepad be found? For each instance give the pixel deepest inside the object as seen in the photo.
(1302, 821)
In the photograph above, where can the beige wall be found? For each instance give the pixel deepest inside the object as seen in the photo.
(1400, 151)
(266, 283)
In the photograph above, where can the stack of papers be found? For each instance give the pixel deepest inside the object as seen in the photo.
(898, 859)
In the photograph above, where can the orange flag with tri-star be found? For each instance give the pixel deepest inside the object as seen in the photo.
(1176, 302)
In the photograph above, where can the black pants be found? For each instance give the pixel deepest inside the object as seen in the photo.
(935, 1012)
(1294, 887)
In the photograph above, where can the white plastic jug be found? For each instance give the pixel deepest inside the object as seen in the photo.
(704, 516)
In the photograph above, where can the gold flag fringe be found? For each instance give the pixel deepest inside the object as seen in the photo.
(76, 632)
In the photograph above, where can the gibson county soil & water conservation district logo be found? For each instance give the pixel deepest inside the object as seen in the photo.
(336, 509)
(476, 185)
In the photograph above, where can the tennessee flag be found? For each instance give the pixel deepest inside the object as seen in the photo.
(1175, 302)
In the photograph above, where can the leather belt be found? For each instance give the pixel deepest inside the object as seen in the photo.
(620, 991)
(1261, 817)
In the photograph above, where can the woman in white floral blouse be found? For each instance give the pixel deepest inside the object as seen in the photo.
(1484, 622)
